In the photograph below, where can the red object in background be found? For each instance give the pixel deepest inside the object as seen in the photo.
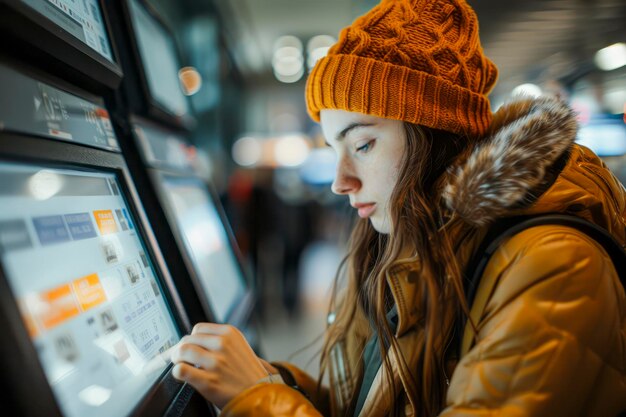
(240, 187)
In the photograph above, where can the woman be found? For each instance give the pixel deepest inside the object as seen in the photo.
(402, 99)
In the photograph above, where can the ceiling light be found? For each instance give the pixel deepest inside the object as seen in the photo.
(317, 48)
(289, 40)
(316, 54)
(190, 79)
(611, 57)
(288, 61)
(288, 66)
(289, 78)
(247, 151)
(287, 52)
(530, 90)
(319, 41)
(291, 151)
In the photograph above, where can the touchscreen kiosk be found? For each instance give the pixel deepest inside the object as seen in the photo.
(159, 60)
(195, 225)
(68, 38)
(82, 19)
(207, 241)
(88, 294)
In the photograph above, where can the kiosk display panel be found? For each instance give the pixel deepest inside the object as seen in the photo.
(83, 19)
(160, 61)
(70, 39)
(88, 294)
(34, 107)
(208, 243)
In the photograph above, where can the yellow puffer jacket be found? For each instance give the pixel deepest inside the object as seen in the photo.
(550, 310)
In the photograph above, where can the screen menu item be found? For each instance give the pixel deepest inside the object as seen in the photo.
(81, 18)
(160, 63)
(207, 242)
(87, 292)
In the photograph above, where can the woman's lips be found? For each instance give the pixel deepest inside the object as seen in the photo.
(365, 210)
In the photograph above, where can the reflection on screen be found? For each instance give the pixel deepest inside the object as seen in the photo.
(83, 19)
(158, 55)
(87, 292)
(207, 242)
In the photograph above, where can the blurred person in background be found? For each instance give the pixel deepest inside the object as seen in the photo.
(402, 99)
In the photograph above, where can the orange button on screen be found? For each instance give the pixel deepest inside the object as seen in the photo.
(106, 221)
(89, 291)
(57, 306)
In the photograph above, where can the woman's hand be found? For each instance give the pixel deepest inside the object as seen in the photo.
(268, 367)
(217, 361)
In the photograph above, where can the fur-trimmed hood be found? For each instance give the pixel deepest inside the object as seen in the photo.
(509, 171)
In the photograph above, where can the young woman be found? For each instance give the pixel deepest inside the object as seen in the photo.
(402, 99)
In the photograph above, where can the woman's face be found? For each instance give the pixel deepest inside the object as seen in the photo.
(369, 152)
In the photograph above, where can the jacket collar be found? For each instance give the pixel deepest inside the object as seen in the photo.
(498, 176)
(403, 280)
(503, 170)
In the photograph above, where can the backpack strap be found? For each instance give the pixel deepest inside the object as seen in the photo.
(507, 227)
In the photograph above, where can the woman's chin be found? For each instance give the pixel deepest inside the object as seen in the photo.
(380, 225)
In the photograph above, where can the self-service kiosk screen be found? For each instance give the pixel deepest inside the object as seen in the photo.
(82, 18)
(160, 62)
(87, 292)
(207, 242)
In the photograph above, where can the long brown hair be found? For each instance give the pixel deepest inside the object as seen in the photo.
(418, 221)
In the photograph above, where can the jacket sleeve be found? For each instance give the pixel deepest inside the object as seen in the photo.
(270, 400)
(277, 400)
(546, 330)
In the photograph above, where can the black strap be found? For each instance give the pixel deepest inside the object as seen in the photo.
(289, 380)
(509, 226)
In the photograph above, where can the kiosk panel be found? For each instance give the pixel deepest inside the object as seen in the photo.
(160, 61)
(88, 294)
(33, 107)
(83, 19)
(207, 241)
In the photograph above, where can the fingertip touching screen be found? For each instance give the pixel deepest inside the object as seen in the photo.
(87, 291)
(208, 243)
(81, 18)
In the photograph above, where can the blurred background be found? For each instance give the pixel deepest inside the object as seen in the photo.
(246, 66)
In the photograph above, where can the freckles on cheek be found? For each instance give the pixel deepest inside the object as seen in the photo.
(396, 172)
(392, 170)
(378, 172)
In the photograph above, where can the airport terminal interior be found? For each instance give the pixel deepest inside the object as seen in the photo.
(158, 168)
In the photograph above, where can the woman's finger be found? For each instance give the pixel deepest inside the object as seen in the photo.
(268, 366)
(212, 328)
(194, 355)
(201, 381)
(209, 342)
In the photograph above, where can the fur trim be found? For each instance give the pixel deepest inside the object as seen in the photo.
(525, 138)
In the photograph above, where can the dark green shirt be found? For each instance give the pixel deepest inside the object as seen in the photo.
(372, 361)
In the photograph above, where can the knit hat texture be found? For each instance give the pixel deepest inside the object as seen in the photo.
(418, 61)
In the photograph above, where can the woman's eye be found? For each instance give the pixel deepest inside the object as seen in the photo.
(365, 148)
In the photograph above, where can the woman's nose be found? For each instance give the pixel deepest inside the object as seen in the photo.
(345, 181)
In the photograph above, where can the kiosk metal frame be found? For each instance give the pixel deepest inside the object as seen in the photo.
(46, 41)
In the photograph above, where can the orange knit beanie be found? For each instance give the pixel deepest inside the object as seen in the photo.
(418, 61)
